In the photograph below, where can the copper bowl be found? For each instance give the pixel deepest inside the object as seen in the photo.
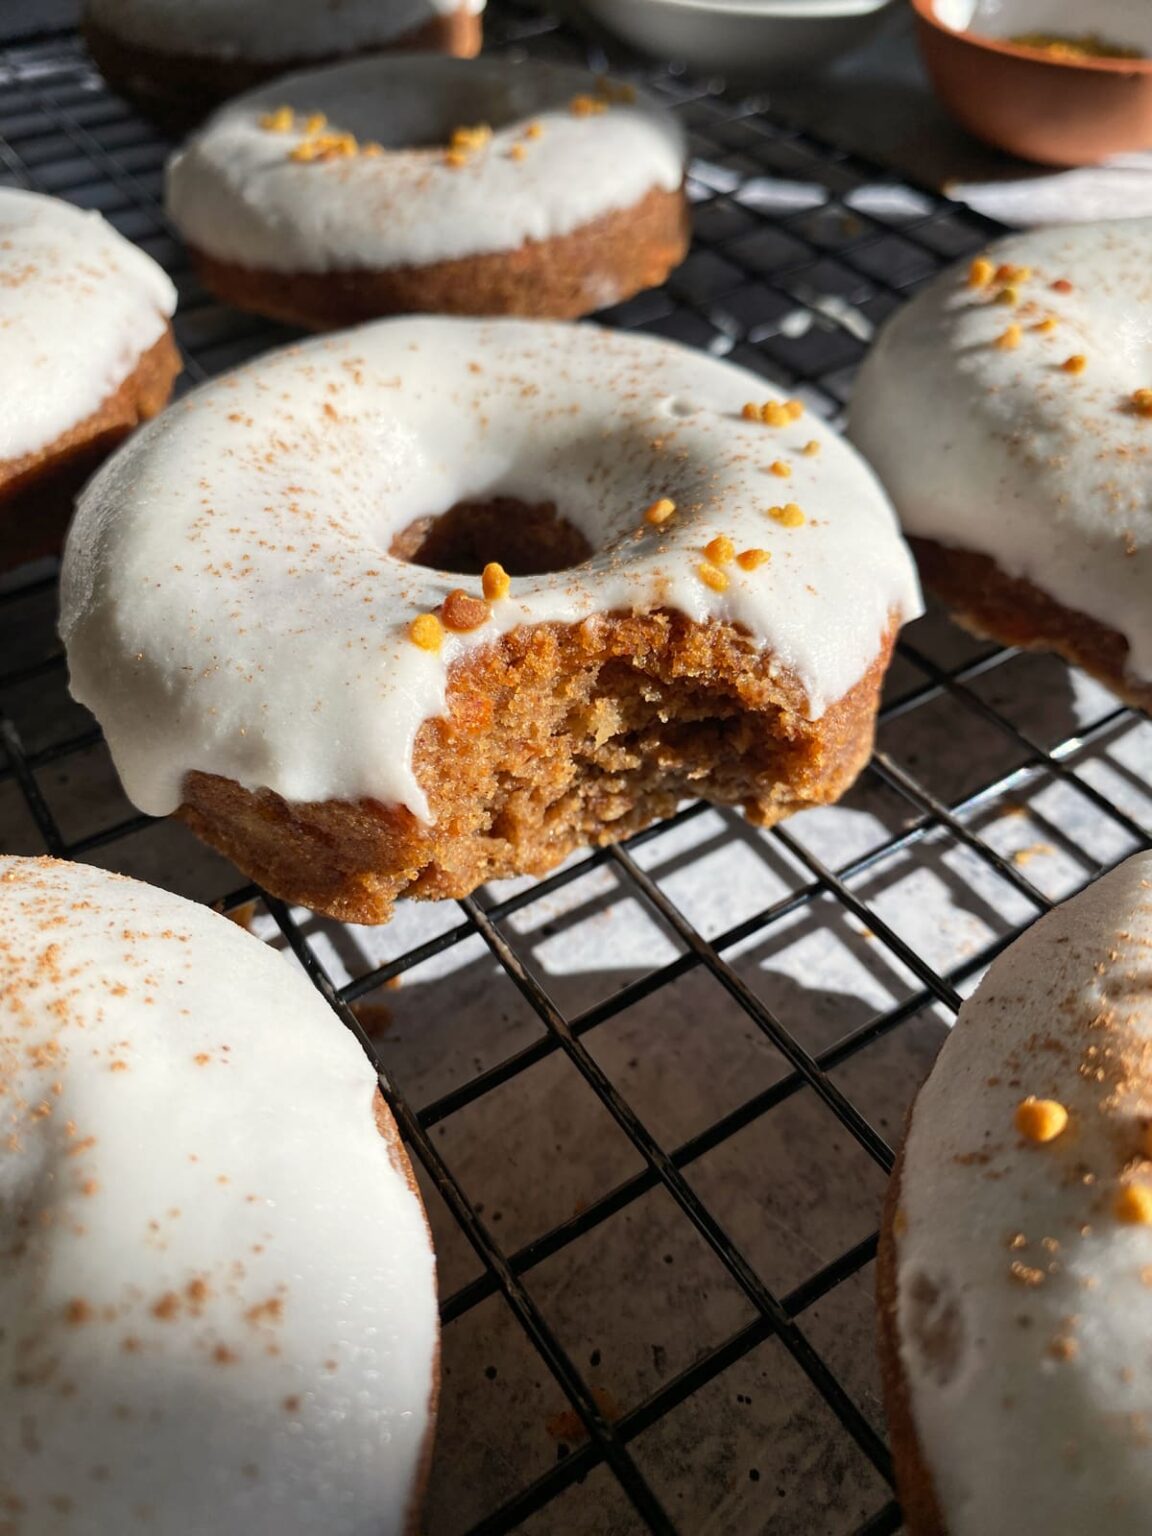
(1054, 110)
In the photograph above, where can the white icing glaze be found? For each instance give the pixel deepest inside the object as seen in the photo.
(217, 1287)
(1039, 1426)
(235, 194)
(229, 603)
(1001, 452)
(79, 305)
(267, 29)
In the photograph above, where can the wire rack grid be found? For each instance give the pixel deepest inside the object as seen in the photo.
(759, 1411)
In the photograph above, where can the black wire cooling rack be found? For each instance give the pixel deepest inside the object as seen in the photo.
(800, 250)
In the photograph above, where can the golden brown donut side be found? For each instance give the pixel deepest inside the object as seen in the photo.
(992, 604)
(178, 90)
(922, 1516)
(603, 262)
(37, 489)
(403, 1165)
(557, 736)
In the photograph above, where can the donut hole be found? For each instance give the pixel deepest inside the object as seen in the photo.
(526, 539)
(936, 1328)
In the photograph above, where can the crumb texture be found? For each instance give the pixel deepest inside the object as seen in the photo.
(556, 737)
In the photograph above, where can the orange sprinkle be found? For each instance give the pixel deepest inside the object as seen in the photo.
(280, 121)
(316, 123)
(1026, 1274)
(1045, 327)
(426, 631)
(1142, 401)
(461, 612)
(1007, 273)
(533, 130)
(812, 447)
(1133, 1205)
(327, 146)
(495, 581)
(774, 413)
(1040, 1120)
(470, 138)
(1062, 285)
(1074, 364)
(373, 150)
(660, 511)
(1008, 340)
(455, 158)
(789, 515)
(517, 152)
(750, 559)
(586, 106)
(980, 273)
(712, 577)
(781, 468)
(721, 550)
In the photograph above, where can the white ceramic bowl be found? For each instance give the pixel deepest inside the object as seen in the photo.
(744, 40)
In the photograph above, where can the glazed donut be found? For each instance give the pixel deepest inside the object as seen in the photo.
(431, 185)
(218, 1287)
(177, 59)
(284, 639)
(1008, 410)
(86, 353)
(1016, 1253)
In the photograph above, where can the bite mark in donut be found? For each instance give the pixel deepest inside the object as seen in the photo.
(559, 667)
(556, 737)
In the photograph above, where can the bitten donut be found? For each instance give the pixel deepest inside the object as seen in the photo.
(1008, 410)
(86, 352)
(217, 1285)
(435, 601)
(177, 59)
(1016, 1257)
(436, 186)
